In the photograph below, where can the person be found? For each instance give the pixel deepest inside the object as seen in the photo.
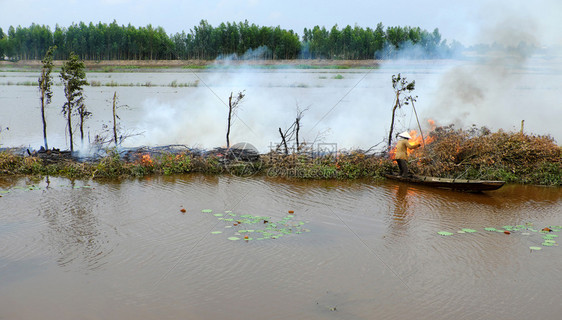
(401, 156)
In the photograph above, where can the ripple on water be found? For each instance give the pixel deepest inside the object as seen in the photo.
(373, 246)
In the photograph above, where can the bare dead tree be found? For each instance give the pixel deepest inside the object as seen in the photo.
(400, 85)
(293, 131)
(300, 114)
(284, 141)
(233, 104)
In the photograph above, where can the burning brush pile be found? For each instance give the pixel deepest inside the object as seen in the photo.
(477, 153)
(480, 154)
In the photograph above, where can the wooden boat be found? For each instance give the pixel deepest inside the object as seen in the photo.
(453, 184)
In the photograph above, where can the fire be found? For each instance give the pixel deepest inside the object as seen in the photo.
(146, 160)
(417, 139)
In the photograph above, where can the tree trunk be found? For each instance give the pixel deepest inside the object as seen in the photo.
(81, 130)
(284, 142)
(114, 119)
(229, 118)
(396, 105)
(43, 116)
(69, 123)
(297, 122)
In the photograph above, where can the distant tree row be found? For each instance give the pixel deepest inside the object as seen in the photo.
(114, 42)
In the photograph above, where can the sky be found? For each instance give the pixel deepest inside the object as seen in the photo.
(466, 21)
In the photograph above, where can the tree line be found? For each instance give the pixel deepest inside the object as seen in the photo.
(247, 41)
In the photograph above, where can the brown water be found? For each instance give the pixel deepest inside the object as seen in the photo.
(110, 250)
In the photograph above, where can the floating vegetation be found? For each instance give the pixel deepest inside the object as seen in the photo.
(262, 227)
(548, 238)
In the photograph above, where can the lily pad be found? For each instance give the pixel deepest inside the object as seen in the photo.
(233, 238)
(490, 229)
(218, 215)
(468, 230)
(548, 244)
(206, 210)
(216, 232)
(445, 233)
(535, 248)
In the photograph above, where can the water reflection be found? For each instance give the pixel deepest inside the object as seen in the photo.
(74, 232)
(132, 252)
(401, 205)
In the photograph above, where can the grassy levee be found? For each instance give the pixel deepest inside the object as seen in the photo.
(474, 154)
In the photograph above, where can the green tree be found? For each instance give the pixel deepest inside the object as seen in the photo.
(73, 78)
(45, 83)
(3, 41)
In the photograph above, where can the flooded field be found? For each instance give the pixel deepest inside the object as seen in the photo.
(349, 250)
(348, 107)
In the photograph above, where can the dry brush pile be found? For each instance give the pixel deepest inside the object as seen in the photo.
(481, 154)
(454, 153)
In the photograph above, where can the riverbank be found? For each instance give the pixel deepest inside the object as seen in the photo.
(108, 65)
(452, 153)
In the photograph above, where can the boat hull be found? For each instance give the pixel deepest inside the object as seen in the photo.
(453, 184)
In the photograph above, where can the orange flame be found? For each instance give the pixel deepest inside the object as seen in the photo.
(417, 139)
(146, 160)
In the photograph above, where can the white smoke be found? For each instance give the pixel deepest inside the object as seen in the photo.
(506, 84)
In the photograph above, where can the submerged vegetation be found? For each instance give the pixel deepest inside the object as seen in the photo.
(473, 154)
